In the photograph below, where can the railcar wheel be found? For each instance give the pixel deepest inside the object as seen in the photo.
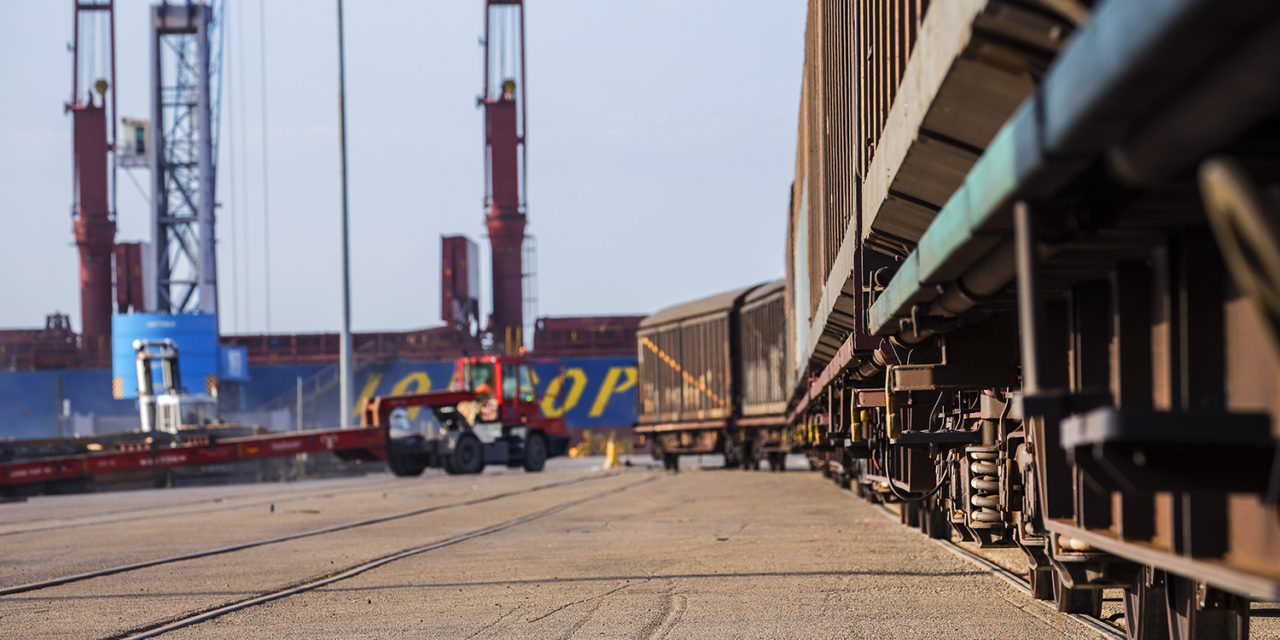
(671, 462)
(468, 455)
(1145, 616)
(535, 452)
(936, 522)
(777, 461)
(1222, 615)
(1075, 600)
(732, 455)
(910, 514)
(1043, 580)
(750, 457)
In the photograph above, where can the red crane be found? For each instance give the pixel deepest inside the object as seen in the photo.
(93, 137)
(505, 165)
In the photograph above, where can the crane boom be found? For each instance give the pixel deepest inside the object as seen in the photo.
(505, 165)
(93, 140)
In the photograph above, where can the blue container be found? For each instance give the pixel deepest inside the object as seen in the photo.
(233, 363)
(195, 335)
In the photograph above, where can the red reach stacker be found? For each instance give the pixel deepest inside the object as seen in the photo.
(490, 415)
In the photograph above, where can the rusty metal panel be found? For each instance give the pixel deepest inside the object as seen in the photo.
(684, 366)
(856, 54)
(941, 376)
(762, 352)
(976, 63)
(459, 282)
(885, 35)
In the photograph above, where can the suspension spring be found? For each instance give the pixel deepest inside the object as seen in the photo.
(984, 480)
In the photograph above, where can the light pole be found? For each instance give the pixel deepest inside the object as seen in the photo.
(344, 350)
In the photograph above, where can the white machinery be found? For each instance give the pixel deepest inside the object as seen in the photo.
(173, 409)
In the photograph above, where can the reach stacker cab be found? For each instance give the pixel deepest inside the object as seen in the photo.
(489, 415)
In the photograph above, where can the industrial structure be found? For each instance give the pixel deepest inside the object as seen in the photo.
(93, 112)
(506, 166)
(181, 158)
(174, 274)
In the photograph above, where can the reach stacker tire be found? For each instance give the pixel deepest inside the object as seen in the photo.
(406, 465)
(467, 457)
(535, 452)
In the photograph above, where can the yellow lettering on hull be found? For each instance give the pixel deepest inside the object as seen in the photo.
(370, 386)
(578, 384)
(421, 384)
(611, 387)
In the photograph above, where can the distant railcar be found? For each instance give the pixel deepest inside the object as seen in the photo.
(711, 378)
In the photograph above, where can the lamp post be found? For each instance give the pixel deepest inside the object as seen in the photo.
(344, 350)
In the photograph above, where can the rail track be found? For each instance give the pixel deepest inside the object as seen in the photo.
(124, 568)
(1016, 580)
(351, 571)
(129, 514)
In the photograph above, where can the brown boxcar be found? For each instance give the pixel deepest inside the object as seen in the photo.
(711, 377)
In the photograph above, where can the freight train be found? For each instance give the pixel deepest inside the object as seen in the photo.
(1033, 264)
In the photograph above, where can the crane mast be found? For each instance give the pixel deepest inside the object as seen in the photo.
(93, 140)
(182, 156)
(505, 155)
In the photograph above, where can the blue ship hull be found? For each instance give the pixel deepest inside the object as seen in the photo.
(595, 393)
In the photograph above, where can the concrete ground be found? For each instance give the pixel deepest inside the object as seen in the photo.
(704, 553)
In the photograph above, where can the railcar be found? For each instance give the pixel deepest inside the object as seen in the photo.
(712, 378)
(1033, 258)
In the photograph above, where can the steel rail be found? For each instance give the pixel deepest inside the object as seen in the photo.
(87, 519)
(1015, 580)
(79, 577)
(355, 570)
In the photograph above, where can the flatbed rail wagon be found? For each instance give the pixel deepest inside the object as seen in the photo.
(489, 416)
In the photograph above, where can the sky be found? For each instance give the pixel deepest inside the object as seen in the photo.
(661, 150)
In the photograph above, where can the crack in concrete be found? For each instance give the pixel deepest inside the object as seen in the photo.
(506, 614)
(577, 602)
